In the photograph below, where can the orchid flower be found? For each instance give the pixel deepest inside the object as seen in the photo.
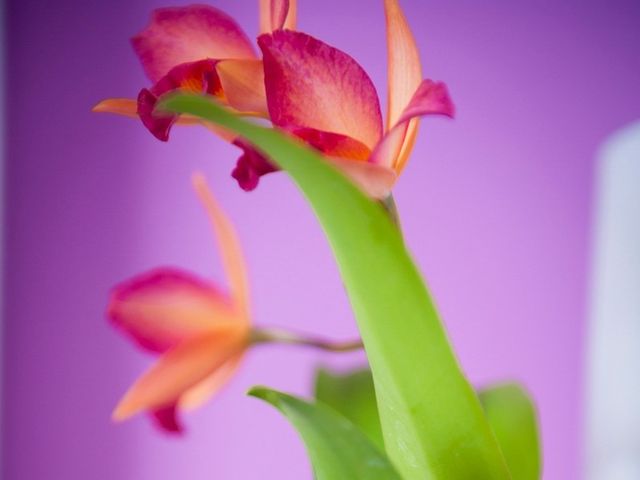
(325, 97)
(200, 331)
(302, 85)
(200, 49)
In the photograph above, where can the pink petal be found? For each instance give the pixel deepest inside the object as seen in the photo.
(250, 166)
(182, 368)
(310, 84)
(228, 245)
(431, 98)
(277, 14)
(194, 77)
(164, 307)
(167, 419)
(242, 82)
(185, 34)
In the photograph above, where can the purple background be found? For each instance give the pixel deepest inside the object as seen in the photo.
(496, 208)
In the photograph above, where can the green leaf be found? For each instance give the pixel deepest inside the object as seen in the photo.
(512, 416)
(338, 449)
(432, 421)
(352, 395)
(508, 407)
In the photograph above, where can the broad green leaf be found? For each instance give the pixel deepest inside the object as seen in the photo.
(352, 394)
(432, 421)
(508, 407)
(512, 416)
(338, 449)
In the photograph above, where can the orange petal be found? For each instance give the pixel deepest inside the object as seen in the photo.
(127, 107)
(181, 369)
(405, 71)
(164, 307)
(211, 385)
(277, 14)
(243, 85)
(374, 180)
(404, 75)
(185, 34)
(230, 251)
(310, 84)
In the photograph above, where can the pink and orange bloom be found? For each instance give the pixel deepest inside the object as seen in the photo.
(301, 84)
(199, 330)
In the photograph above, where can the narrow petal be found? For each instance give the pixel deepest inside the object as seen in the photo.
(277, 14)
(250, 166)
(405, 71)
(310, 84)
(127, 107)
(186, 34)
(181, 368)
(374, 180)
(164, 307)
(167, 419)
(229, 246)
(211, 385)
(431, 98)
(242, 82)
(291, 20)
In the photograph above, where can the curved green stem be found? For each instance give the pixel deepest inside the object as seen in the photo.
(286, 337)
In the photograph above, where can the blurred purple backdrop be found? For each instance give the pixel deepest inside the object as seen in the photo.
(496, 207)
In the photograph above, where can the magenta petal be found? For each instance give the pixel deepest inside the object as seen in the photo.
(167, 419)
(431, 98)
(333, 144)
(250, 166)
(194, 77)
(186, 34)
(158, 124)
(310, 84)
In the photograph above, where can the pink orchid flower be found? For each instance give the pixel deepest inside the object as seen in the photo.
(304, 86)
(325, 97)
(200, 331)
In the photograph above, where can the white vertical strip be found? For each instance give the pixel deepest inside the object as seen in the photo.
(613, 383)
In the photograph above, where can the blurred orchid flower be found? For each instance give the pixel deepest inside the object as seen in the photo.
(200, 331)
(200, 49)
(325, 97)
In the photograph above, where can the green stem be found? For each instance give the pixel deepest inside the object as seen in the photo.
(286, 337)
